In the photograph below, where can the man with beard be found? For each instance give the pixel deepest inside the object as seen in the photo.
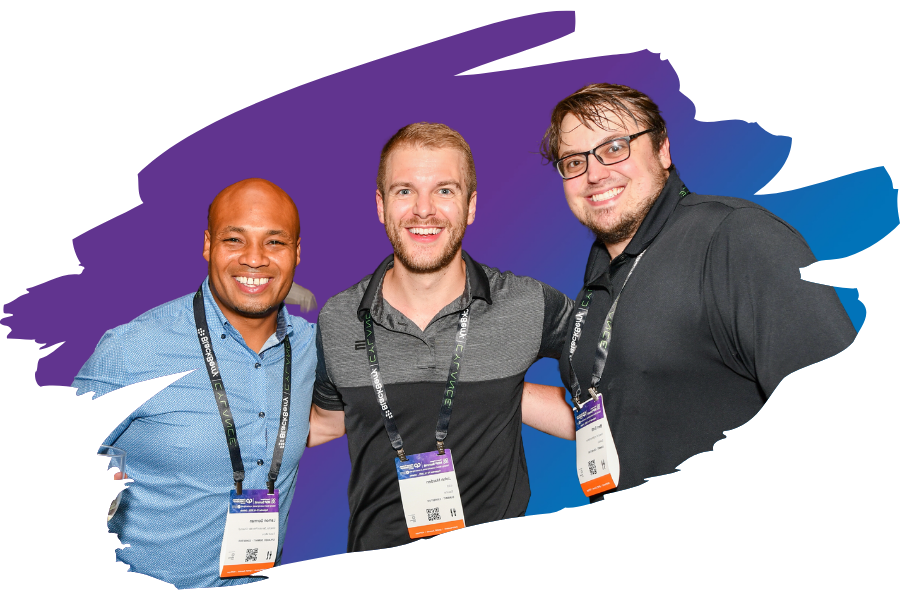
(217, 432)
(692, 310)
(454, 339)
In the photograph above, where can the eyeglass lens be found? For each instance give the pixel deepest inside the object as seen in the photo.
(609, 153)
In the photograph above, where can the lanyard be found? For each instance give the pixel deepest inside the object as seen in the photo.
(605, 336)
(602, 345)
(443, 423)
(218, 386)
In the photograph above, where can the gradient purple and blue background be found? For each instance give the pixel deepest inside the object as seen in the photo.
(321, 141)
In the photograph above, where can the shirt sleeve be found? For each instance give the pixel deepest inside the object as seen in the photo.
(325, 393)
(766, 321)
(557, 312)
(105, 371)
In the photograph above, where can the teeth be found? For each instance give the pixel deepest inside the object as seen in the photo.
(607, 194)
(425, 230)
(253, 281)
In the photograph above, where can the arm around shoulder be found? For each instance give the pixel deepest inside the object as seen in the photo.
(324, 425)
(544, 407)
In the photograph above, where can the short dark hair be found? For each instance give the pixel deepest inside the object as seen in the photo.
(589, 102)
(429, 135)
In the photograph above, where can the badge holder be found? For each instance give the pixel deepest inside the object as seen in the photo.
(595, 452)
(250, 541)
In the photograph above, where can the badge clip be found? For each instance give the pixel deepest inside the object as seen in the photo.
(440, 446)
(271, 485)
(402, 454)
(579, 404)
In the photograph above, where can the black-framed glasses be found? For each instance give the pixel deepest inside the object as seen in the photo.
(608, 153)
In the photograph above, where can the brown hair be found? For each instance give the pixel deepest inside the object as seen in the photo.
(429, 135)
(589, 102)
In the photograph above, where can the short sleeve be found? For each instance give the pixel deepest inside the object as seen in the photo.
(557, 312)
(766, 321)
(325, 393)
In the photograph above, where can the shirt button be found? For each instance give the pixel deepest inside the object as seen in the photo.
(261, 415)
(224, 336)
(260, 462)
(257, 365)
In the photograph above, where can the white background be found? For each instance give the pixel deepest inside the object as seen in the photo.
(800, 501)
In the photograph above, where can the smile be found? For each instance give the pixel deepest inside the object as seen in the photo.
(253, 283)
(607, 195)
(425, 230)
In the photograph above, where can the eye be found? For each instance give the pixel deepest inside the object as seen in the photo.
(616, 147)
(277, 242)
(404, 192)
(445, 191)
(573, 163)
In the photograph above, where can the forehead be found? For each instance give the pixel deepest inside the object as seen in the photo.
(255, 208)
(418, 164)
(578, 136)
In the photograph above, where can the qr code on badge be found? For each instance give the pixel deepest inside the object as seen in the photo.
(434, 514)
(592, 466)
(251, 554)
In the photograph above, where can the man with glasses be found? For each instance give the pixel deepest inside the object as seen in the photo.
(422, 364)
(692, 309)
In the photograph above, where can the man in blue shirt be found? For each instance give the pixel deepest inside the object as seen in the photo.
(173, 515)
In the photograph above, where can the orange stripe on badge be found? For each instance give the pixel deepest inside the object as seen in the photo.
(244, 570)
(436, 528)
(595, 486)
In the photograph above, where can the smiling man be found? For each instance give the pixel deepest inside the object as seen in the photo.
(422, 364)
(235, 427)
(692, 309)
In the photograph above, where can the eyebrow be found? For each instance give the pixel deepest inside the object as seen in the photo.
(613, 136)
(399, 184)
(235, 229)
(448, 183)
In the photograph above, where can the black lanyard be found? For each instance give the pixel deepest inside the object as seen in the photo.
(443, 423)
(602, 344)
(605, 336)
(218, 386)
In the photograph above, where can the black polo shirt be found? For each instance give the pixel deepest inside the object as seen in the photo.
(714, 316)
(513, 321)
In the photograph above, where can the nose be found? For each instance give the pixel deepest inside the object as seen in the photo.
(596, 171)
(424, 206)
(254, 255)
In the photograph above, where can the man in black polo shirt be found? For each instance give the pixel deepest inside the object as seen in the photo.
(422, 364)
(714, 314)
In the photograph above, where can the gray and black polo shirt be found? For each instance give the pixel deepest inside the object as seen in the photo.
(514, 321)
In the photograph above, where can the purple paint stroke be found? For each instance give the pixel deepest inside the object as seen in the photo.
(321, 142)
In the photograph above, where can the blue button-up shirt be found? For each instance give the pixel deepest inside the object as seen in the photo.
(173, 515)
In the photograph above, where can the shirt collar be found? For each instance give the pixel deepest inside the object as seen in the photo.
(477, 286)
(283, 325)
(649, 228)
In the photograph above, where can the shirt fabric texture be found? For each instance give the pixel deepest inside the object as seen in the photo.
(173, 515)
(513, 321)
(714, 316)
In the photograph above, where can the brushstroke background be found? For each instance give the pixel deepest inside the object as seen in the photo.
(149, 257)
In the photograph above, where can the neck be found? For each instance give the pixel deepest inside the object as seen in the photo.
(420, 296)
(254, 330)
(617, 248)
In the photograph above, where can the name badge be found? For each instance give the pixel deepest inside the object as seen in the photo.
(595, 452)
(430, 494)
(250, 542)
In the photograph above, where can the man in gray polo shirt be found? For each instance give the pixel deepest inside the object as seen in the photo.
(454, 340)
